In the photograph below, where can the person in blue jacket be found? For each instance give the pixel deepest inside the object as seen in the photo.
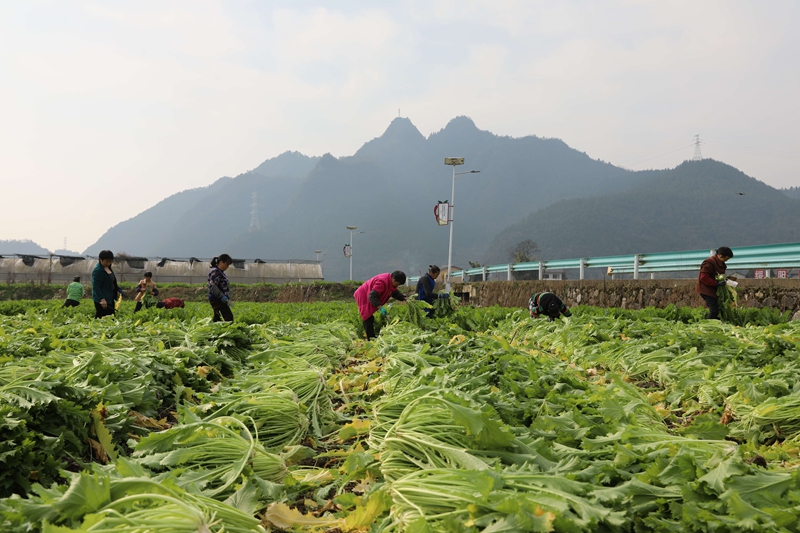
(426, 285)
(104, 285)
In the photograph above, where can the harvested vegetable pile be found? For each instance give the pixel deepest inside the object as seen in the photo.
(484, 421)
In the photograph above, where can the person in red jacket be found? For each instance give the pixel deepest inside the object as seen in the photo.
(375, 292)
(170, 303)
(707, 282)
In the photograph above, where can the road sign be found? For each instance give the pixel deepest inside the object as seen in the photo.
(348, 251)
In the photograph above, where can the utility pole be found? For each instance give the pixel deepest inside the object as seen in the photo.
(698, 156)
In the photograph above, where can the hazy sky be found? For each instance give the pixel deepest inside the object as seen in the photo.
(107, 107)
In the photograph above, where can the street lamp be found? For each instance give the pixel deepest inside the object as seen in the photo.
(317, 252)
(454, 161)
(352, 229)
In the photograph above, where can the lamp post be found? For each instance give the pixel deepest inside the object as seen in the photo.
(317, 252)
(352, 229)
(454, 161)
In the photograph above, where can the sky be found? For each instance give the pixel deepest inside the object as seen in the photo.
(107, 107)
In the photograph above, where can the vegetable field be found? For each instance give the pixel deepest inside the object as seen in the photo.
(480, 421)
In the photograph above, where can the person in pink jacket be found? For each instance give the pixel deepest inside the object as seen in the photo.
(375, 292)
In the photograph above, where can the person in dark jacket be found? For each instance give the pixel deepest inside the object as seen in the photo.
(104, 285)
(375, 292)
(219, 288)
(548, 304)
(707, 282)
(425, 286)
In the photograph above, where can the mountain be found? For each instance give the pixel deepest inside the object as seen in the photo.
(697, 205)
(8, 247)
(389, 187)
(199, 222)
(792, 192)
(136, 235)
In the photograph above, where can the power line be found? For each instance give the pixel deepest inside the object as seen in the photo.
(683, 146)
(751, 150)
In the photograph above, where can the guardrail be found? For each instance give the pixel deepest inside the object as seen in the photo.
(767, 256)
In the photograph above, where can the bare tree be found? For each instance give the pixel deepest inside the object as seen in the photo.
(524, 252)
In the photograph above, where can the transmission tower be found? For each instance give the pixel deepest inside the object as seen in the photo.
(697, 154)
(254, 225)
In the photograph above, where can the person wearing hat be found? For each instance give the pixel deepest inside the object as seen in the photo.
(74, 293)
(548, 304)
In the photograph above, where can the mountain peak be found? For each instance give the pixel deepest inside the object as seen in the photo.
(400, 133)
(462, 123)
(289, 163)
(402, 128)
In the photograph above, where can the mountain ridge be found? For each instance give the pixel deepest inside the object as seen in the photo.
(696, 205)
(388, 188)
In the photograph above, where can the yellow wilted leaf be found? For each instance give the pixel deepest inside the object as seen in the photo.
(98, 451)
(313, 476)
(365, 484)
(656, 397)
(365, 514)
(103, 435)
(354, 428)
(146, 422)
(661, 410)
(282, 516)
(203, 371)
(457, 339)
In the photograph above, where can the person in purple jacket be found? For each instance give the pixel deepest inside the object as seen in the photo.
(375, 292)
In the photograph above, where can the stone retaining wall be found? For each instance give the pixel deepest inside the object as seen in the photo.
(783, 294)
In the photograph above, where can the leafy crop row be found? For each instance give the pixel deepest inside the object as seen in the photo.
(483, 420)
